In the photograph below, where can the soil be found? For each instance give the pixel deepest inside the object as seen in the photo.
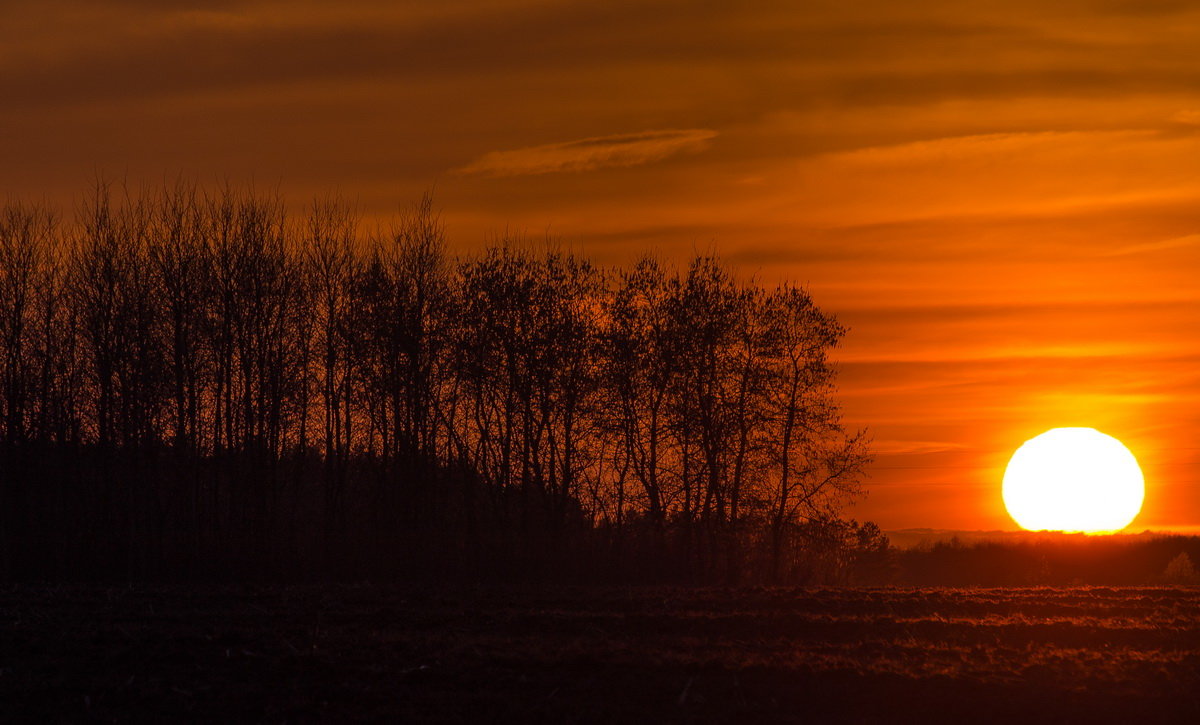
(598, 655)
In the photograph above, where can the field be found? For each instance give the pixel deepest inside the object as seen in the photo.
(338, 654)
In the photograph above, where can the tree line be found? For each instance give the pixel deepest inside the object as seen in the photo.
(1049, 559)
(199, 380)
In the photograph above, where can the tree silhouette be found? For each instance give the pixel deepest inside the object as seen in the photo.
(1181, 570)
(195, 380)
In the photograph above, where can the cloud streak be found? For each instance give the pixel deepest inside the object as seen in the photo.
(599, 152)
(1190, 240)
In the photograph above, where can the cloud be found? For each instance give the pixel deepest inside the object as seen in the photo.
(983, 146)
(630, 149)
(881, 447)
(1189, 116)
(1190, 240)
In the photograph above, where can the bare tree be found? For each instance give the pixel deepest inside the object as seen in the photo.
(818, 465)
(640, 370)
(180, 258)
(26, 239)
(328, 238)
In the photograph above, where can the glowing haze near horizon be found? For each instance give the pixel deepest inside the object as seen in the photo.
(1001, 199)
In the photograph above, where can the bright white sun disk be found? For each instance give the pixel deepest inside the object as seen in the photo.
(1073, 479)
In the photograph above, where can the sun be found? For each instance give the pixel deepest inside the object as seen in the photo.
(1073, 479)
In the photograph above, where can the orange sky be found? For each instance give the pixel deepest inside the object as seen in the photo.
(1001, 199)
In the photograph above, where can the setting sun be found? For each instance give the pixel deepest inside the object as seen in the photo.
(1073, 479)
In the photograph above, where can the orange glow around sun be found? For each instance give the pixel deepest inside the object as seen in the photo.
(1073, 479)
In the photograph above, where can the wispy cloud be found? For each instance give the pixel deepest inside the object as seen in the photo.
(630, 149)
(883, 447)
(1190, 116)
(991, 145)
(1190, 240)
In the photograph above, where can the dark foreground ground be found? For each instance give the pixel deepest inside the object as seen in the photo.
(345, 654)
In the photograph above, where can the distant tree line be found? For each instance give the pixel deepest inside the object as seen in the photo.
(1048, 558)
(196, 382)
